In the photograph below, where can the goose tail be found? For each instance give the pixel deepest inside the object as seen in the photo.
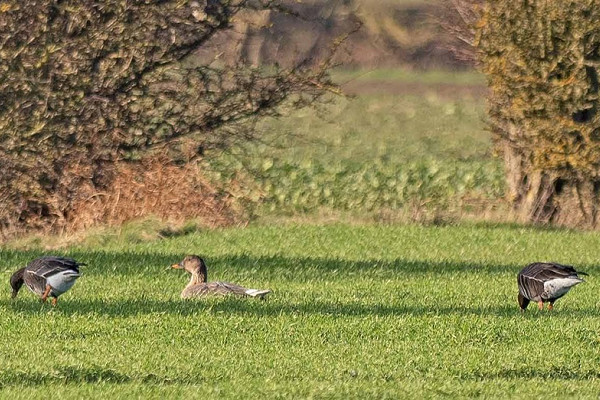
(257, 293)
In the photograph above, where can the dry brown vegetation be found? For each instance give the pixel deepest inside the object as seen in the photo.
(154, 187)
(393, 33)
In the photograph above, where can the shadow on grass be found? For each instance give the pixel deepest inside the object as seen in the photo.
(78, 375)
(252, 307)
(514, 226)
(299, 268)
(554, 373)
(75, 375)
(303, 268)
(293, 269)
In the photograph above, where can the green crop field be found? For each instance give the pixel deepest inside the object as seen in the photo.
(407, 144)
(356, 312)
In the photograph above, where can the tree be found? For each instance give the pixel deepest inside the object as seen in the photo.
(541, 58)
(86, 85)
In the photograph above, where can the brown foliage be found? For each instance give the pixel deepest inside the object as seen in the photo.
(394, 33)
(156, 187)
(460, 18)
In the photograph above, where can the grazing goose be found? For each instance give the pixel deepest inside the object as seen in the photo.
(198, 286)
(545, 282)
(46, 276)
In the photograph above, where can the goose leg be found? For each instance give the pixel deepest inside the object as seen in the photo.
(541, 305)
(46, 293)
(550, 306)
(54, 300)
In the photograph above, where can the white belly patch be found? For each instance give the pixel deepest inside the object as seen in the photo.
(558, 287)
(62, 281)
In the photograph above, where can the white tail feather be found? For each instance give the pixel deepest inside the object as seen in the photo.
(257, 292)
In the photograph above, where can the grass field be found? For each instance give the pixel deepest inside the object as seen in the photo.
(356, 312)
(406, 143)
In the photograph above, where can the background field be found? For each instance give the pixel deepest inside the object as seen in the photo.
(369, 311)
(404, 146)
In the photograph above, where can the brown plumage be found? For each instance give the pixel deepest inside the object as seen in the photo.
(545, 283)
(198, 286)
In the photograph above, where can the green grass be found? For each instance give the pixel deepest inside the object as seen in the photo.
(399, 124)
(411, 150)
(356, 312)
(397, 127)
(410, 76)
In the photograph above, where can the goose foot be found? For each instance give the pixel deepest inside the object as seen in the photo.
(54, 300)
(46, 293)
(541, 305)
(550, 306)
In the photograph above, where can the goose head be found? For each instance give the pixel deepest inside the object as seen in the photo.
(194, 265)
(16, 281)
(523, 302)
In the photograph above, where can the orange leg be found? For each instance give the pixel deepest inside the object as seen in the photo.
(54, 300)
(541, 305)
(46, 293)
(550, 306)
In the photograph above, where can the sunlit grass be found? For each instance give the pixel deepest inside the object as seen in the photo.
(363, 311)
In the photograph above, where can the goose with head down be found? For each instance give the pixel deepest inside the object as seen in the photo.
(47, 276)
(199, 287)
(545, 283)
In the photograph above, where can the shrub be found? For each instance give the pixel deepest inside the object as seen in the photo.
(86, 86)
(541, 59)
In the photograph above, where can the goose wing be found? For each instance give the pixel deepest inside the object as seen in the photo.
(228, 288)
(213, 289)
(549, 271)
(531, 279)
(48, 266)
(35, 283)
(224, 288)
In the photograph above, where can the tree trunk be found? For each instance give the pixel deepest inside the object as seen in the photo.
(559, 197)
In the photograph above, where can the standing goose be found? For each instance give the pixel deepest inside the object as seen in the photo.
(198, 286)
(46, 276)
(545, 282)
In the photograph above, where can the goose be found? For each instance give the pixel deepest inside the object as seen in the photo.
(546, 282)
(47, 276)
(198, 287)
